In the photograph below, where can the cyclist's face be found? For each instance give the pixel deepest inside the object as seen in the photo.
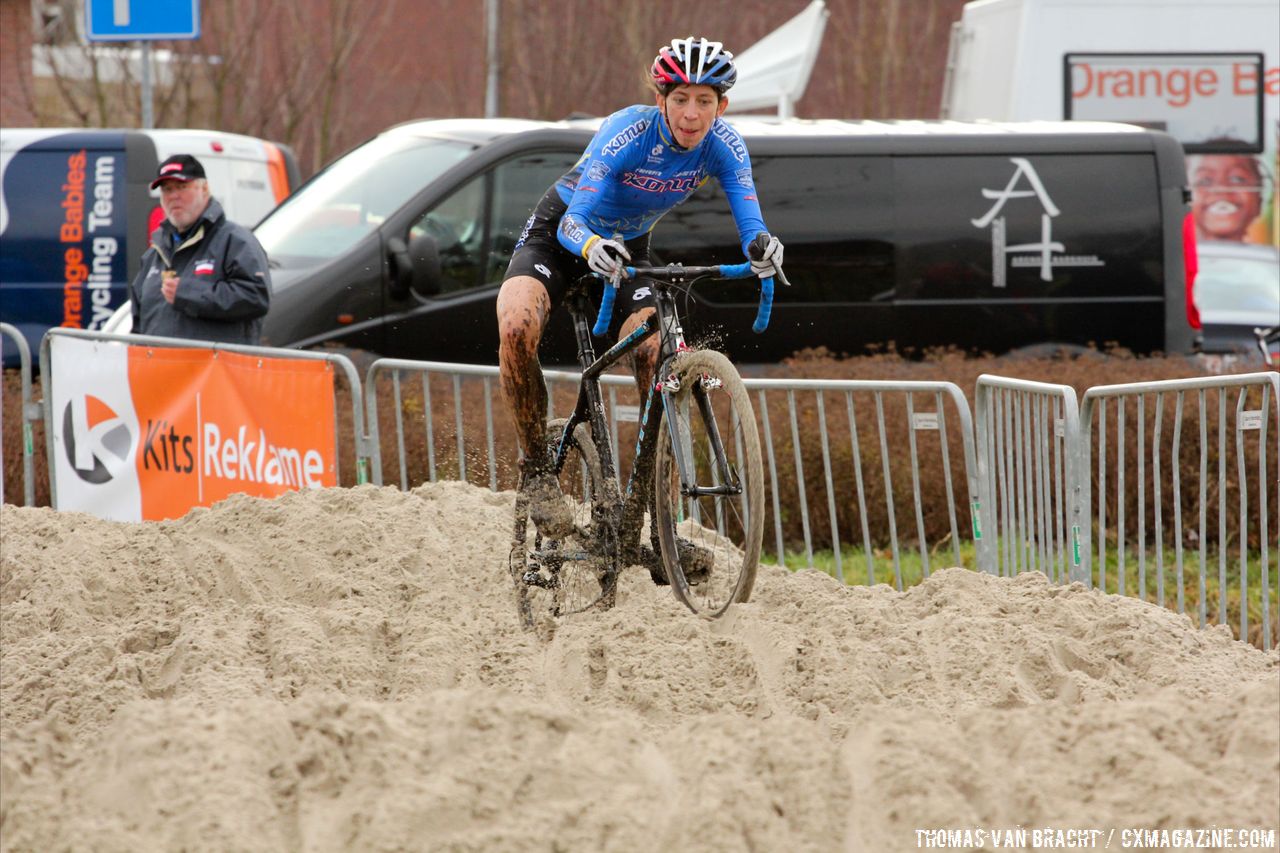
(690, 112)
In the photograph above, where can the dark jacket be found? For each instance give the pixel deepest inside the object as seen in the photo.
(224, 288)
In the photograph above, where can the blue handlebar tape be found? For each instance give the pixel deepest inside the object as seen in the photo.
(766, 305)
(606, 310)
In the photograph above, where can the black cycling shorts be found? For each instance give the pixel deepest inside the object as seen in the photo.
(538, 254)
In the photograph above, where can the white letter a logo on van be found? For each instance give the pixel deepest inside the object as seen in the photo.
(1040, 254)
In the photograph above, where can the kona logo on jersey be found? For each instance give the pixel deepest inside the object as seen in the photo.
(628, 134)
(572, 229)
(658, 185)
(96, 439)
(598, 171)
(744, 178)
(731, 140)
(1039, 254)
(160, 449)
(204, 267)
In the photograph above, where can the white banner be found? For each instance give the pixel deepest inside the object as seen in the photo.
(95, 430)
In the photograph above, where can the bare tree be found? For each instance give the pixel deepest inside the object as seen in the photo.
(322, 75)
(882, 59)
(274, 69)
(572, 56)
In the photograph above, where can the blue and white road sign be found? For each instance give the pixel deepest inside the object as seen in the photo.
(141, 20)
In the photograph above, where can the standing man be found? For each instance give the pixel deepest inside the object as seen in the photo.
(204, 278)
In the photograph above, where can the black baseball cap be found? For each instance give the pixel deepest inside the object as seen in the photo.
(179, 167)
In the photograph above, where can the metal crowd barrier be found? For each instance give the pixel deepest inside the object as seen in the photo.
(933, 398)
(486, 374)
(30, 414)
(1134, 435)
(924, 410)
(360, 442)
(1033, 508)
(1026, 470)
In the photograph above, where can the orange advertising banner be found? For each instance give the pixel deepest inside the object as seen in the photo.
(211, 424)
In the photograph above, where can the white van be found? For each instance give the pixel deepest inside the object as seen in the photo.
(249, 176)
(76, 212)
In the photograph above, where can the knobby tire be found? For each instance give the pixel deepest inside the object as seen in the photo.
(724, 531)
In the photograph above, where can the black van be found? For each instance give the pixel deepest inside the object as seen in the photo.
(990, 237)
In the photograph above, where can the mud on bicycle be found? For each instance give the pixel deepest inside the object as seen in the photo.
(696, 470)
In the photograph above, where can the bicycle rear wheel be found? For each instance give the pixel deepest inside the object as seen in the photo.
(709, 540)
(561, 577)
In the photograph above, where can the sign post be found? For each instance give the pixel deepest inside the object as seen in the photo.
(144, 21)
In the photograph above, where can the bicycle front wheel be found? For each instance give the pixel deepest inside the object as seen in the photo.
(709, 486)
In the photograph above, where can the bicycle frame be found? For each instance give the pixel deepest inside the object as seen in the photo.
(665, 322)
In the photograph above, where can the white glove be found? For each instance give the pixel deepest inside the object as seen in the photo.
(606, 257)
(770, 260)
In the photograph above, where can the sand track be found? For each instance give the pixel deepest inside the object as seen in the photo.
(344, 670)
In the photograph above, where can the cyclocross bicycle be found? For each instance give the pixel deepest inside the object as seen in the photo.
(696, 469)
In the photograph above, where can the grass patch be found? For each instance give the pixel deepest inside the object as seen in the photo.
(910, 567)
(1145, 579)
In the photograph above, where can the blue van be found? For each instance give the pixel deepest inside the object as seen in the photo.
(76, 213)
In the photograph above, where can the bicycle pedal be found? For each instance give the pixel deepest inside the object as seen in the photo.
(711, 383)
(534, 578)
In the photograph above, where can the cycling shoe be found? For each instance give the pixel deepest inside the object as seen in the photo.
(695, 560)
(548, 507)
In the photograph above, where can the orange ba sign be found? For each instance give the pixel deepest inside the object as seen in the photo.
(149, 433)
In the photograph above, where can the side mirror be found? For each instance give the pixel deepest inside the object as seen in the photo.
(401, 267)
(424, 253)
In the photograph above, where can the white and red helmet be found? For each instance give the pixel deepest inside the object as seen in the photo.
(694, 61)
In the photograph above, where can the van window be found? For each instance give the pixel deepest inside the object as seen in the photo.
(354, 196)
(517, 187)
(241, 186)
(457, 224)
(835, 215)
(477, 226)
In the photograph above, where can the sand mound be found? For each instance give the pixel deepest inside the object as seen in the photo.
(343, 670)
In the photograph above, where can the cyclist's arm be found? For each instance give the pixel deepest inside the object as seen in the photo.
(732, 167)
(610, 153)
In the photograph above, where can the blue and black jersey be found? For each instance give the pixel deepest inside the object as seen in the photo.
(633, 172)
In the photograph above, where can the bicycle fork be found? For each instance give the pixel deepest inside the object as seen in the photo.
(729, 484)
